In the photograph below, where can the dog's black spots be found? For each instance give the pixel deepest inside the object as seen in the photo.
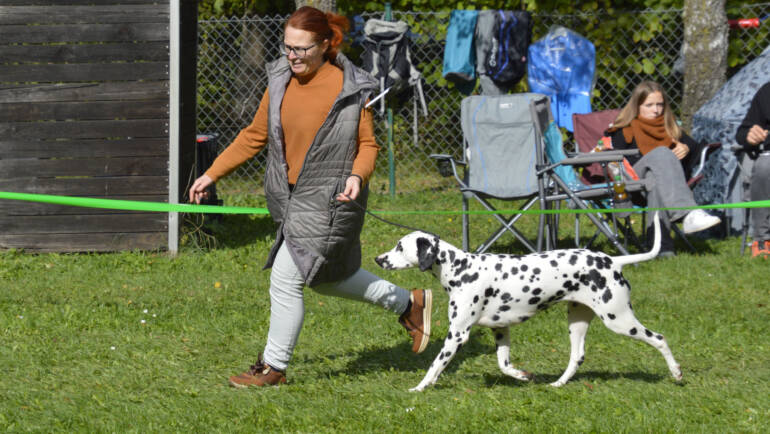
(498, 336)
(454, 315)
(602, 262)
(534, 300)
(632, 332)
(461, 265)
(454, 283)
(486, 302)
(495, 317)
(451, 302)
(449, 335)
(524, 267)
(451, 256)
(483, 258)
(659, 337)
(590, 261)
(582, 359)
(631, 308)
(607, 296)
(467, 329)
(525, 289)
(523, 318)
(610, 316)
(576, 275)
(595, 279)
(573, 259)
(554, 263)
(475, 299)
(473, 313)
(506, 297)
(505, 308)
(468, 278)
(505, 276)
(489, 292)
(648, 333)
(507, 363)
(536, 291)
(560, 255)
(571, 286)
(399, 247)
(498, 266)
(514, 270)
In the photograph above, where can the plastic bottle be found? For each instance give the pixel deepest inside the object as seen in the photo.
(619, 186)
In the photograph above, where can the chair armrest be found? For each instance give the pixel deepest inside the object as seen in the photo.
(587, 158)
(447, 165)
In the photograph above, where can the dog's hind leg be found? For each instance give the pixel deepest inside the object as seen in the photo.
(625, 323)
(503, 341)
(579, 317)
(459, 332)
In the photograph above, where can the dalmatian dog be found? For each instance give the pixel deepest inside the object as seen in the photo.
(498, 291)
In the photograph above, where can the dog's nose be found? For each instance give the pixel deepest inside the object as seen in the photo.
(379, 260)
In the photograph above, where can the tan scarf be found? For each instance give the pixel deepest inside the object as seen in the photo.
(649, 134)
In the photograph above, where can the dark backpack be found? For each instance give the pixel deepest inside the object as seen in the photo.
(507, 59)
(387, 58)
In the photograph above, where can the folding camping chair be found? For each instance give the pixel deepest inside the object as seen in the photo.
(501, 147)
(562, 183)
(504, 157)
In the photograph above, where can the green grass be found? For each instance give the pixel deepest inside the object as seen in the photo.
(76, 356)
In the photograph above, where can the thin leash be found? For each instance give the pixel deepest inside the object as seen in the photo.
(388, 221)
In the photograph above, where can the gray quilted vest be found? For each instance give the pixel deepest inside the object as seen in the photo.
(322, 235)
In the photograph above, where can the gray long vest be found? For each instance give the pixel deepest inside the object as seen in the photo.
(322, 235)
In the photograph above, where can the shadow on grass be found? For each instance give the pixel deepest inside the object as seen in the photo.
(229, 231)
(587, 376)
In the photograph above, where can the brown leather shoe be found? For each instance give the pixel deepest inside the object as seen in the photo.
(416, 320)
(259, 374)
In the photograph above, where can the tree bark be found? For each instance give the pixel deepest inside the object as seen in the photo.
(324, 5)
(705, 53)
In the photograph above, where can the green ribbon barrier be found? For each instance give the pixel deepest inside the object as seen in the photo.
(130, 205)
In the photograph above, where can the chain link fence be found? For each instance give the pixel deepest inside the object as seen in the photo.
(645, 45)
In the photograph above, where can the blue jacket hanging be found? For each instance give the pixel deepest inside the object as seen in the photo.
(562, 65)
(459, 53)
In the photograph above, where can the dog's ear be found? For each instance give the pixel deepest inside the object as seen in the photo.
(426, 253)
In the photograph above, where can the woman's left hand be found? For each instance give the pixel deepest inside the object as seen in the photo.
(680, 150)
(352, 189)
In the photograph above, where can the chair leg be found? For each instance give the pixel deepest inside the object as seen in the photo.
(744, 229)
(681, 235)
(466, 223)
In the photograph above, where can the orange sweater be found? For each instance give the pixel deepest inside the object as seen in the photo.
(304, 108)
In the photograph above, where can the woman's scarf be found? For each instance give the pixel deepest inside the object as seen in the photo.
(649, 134)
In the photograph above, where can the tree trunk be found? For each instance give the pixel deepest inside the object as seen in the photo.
(705, 53)
(324, 5)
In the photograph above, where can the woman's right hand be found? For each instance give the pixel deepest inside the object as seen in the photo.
(198, 189)
(680, 150)
(756, 135)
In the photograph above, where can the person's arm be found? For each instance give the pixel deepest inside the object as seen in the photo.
(753, 128)
(619, 143)
(363, 165)
(249, 142)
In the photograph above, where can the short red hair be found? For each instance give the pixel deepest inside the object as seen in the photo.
(324, 25)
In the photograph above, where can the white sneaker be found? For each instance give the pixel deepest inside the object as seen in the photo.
(698, 220)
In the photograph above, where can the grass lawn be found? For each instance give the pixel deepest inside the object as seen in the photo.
(139, 341)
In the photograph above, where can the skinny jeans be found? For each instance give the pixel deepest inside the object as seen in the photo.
(287, 307)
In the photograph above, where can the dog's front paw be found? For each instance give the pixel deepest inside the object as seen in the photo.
(558, 383)
(416, 389)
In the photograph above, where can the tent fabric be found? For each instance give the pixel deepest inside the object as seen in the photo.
(562, 65)
(717, 121)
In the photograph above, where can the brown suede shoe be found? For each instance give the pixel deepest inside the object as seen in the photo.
(416, 320)
(259, 374)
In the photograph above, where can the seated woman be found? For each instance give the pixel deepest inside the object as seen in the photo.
(647, 123)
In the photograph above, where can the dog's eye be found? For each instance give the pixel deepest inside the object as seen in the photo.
(399, 247)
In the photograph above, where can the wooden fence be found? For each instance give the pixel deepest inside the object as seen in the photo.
(84, 111)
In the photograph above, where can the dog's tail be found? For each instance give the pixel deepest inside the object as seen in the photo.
(641, 257)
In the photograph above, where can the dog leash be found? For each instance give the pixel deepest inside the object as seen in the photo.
(388, 221)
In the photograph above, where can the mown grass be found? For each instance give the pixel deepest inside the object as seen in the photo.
(139, 341)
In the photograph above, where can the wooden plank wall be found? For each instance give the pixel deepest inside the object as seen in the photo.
(84, 94)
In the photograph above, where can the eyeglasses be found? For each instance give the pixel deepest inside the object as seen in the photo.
(298, 51)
